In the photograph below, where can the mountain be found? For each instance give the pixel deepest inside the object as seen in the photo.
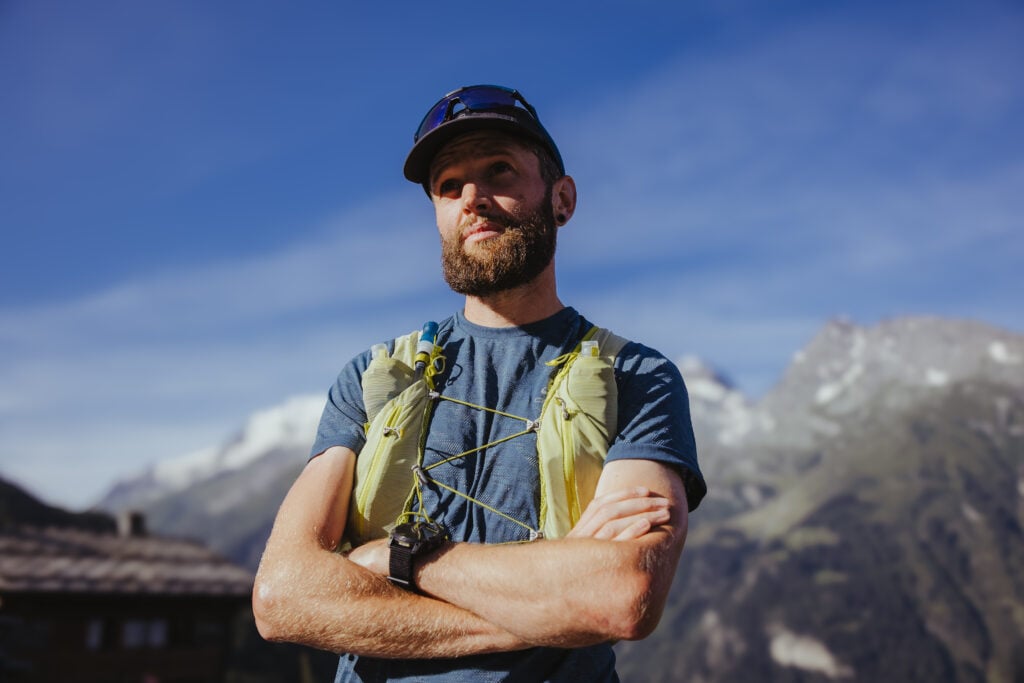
(228, 494)
(865, 518)
(19, 507)
(868, 526)
(832, 388)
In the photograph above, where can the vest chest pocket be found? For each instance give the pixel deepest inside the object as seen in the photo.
(384, 470)
(575, 432)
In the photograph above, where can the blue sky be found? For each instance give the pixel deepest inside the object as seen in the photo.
(203, 211)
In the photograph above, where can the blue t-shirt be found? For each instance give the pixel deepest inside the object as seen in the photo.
(506, 370)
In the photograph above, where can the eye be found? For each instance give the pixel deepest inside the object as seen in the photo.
(500, 167)
(449, 188)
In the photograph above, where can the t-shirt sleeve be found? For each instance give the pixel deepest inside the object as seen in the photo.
(654, 417)
(343, 419)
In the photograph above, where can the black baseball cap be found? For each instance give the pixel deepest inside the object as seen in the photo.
(474, 107)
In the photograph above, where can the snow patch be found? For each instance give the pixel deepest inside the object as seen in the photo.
(724, 408)
(998, 352)
(740, 422)
(859, 344)
(291, 424)
(828, 392)
(804, 652)
(733, 434)
(936, 378)
(179, 472)
(752, 495)
(971, 514)
(706, 390)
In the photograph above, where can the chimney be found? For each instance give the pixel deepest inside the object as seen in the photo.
(131, 524)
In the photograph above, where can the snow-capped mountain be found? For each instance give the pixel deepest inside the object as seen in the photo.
(846, 367)
(288, 427)
(722, 414)
(844, 374)
(868, 526)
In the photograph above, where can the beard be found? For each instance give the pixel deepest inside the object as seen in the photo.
(513, 258)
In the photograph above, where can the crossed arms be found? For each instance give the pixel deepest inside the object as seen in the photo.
(607, 580)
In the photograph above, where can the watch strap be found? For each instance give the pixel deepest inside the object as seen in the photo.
(400, 566)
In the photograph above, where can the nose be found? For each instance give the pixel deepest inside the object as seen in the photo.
(475, 198)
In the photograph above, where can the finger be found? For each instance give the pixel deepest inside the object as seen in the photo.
(609, 505)
(617, 514)
(632, 526)
(623, 529)
(622, 494)
(634, 530)
(599, 513)
(618, 495)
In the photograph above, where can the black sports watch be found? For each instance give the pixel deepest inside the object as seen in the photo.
(409, 541)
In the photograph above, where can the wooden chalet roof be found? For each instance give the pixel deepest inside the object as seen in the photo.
(67, 560)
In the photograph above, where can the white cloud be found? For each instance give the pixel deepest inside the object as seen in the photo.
(792, 140)
(340, 265)
(166, 364)
(835, 168)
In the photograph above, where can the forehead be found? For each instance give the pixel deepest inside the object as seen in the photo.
(474, 145)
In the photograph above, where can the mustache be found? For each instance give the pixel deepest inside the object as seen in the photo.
(506, 221)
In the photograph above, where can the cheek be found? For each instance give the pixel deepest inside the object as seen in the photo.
(516, 203)
(523, 206)
(526, 199)
(513, 204)
(447, 221)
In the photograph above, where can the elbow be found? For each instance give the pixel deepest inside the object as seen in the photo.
(267, 610)
(641, 590)
(638, 612)
(646, 587)
(641, 626)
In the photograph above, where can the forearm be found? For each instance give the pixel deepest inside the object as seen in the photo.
(604, 582)
(563, 593)
(341, 607)
(307, 593)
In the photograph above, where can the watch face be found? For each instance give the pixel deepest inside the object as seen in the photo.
(405, 534)
(413, 533)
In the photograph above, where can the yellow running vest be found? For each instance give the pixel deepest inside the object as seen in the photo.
(576, 424)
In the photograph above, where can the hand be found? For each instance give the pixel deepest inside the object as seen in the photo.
(374, 555)
(621, 515)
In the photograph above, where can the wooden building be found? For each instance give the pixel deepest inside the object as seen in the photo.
(91, 607)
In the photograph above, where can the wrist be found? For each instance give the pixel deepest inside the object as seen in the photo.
(429, 567)
(408, 545)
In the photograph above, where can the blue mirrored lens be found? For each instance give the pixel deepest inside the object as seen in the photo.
(475, 98)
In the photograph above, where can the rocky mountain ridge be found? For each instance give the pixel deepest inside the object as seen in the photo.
(870, 526)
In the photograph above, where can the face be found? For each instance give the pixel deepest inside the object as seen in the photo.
(494, 213)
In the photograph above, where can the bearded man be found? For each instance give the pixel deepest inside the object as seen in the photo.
(545, 467)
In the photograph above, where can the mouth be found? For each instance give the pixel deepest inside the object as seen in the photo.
(484, 230)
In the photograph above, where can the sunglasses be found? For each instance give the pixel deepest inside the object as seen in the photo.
(469, 99)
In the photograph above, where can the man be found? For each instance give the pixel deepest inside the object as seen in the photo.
(487, 592)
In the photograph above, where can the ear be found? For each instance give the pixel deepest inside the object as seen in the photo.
(563, 199)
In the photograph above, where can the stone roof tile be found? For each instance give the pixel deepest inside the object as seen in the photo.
(64, 560)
